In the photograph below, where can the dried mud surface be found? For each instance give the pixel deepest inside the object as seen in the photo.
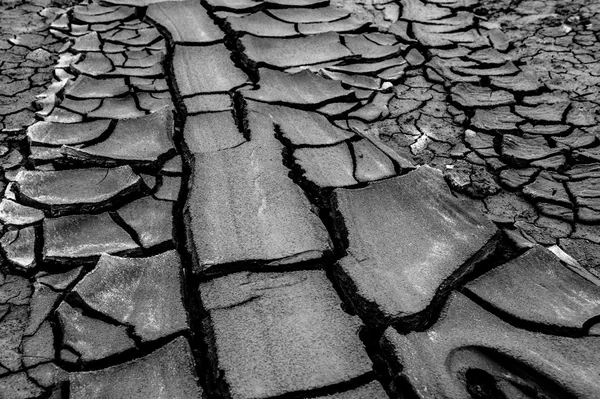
(300, 199)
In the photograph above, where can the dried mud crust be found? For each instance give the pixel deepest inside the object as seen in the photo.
(298, 198)
(28, 53)
(90, 176)
(530, 108)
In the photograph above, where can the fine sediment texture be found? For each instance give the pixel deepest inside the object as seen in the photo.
(300, 199)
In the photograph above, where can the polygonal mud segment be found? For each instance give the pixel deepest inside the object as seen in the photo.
(302, 88)
(89, 87)
(545, 189)
(587, 154)
(19, 386)
(207, 103)
(537, 288)
(186, 21)
(16, 214)
(373, 111)
(243, 207)
(173, 166)
(140, 37)
(81, 107)
(301, 127)
(14, 320)
(144, 293)
(19, 247)
(76, 190)
(134, 141)
(280, 333)
(169, 189)
(212, 131)
(371, 163)
(87, 42)
(522, 82)
(470, 95)
(285, 53)
(421, 11)
(586, 192)
(80, 239)
(578, 138)
(44, 300)
(470, 351)
(330, 166)
(521, 151)
(493, 119)
(409, 242)
(145, 68)
(151, 219)
(118, 108)
(439, 36)
(261, 24)
(364, 48)
(57, 134)
(85, 339)
(195, 67)
(39, 348)
(94, 64)
(543, 112)
(167, 373)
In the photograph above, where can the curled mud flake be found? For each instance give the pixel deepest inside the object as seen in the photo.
(88, 87)
(73, 190)
(56, 134)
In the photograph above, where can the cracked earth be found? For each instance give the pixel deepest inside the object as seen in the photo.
(300, 199)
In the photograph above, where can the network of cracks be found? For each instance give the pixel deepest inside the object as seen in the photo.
(297, 199)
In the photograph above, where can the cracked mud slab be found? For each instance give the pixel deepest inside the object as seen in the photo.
(265, 320)
(536, 288)
(409, 241)
(165, 373)
(242, 207)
